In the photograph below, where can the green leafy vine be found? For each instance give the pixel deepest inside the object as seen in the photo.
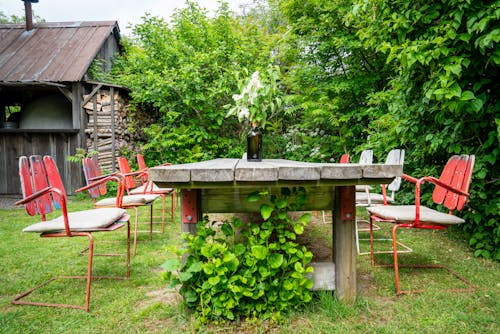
(246, 270)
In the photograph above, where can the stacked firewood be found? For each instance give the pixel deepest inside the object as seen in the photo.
(100, 128)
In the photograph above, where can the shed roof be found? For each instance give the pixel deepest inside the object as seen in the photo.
(51, 52)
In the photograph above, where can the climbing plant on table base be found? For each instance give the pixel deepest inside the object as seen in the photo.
(246, 270)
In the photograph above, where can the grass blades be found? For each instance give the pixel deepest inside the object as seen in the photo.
(145, 304)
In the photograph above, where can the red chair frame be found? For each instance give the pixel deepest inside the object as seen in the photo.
(43, 189)
(164, 192)
(451, 190)
(92, 173)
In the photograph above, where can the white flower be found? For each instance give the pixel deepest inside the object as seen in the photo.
(255, 82)
(243, 114)
(237, 97)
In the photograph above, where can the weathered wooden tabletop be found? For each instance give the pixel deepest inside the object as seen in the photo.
(241, 173)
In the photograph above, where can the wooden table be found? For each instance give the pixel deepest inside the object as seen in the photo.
(222, 186)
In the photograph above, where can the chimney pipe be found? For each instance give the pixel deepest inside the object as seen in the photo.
(28, 14)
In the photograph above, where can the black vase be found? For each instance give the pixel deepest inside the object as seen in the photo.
(254, 144)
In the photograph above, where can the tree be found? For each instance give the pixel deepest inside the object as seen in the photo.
(443, 98)
(186, 72)
(331, 76)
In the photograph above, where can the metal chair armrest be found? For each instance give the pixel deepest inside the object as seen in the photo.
(435, 181)
(62, 199)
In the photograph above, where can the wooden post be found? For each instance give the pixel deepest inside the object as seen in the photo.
(344, 245)
(94, 117)
(3, 116)
(113, 146)
(76, 106)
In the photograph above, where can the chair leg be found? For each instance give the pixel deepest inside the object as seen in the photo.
(136, 229)
(174, 199)
(89, 272)
(357, 237)
(395, 254)
(17, 300)
(373, 227)
(163, 208)
(372, 251)
(128, 248)
(151, 222)
(471, 287)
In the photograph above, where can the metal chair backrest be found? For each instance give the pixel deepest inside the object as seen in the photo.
(140, 162)
(27, 187)
(92, 170)
(124, 167)
(366, 157)
(395, 157)
(457, 174)
(38, 174)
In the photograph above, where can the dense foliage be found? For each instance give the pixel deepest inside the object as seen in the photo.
(187, 71)
(355, 74)
(420, 76)
(331, 75)
(253, 270)
(443, 98)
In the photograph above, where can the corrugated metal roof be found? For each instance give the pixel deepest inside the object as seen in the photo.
(51, 52)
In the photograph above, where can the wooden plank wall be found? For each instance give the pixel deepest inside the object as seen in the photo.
(58, 145)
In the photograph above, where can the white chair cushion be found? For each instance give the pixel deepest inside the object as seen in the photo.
(128, 200)
(88, 220)
(406, 213)
(156, 189)
(362, 198)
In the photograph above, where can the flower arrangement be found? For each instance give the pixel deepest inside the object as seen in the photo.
(258, 99)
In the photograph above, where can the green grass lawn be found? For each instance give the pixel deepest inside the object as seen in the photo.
(145, 304)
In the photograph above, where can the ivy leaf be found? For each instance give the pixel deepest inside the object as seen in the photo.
(298, 228)
(195, 267)
(237, 223)
(281, 203)
(266, 211)
(227, 229)
(214, 280)
(298, 267)
(253, 197)
(259, 252)
(239, 249)
(275, 260)
(191, 296)
(305, 218)
(231, 262)
(185, 276)
(171, 265)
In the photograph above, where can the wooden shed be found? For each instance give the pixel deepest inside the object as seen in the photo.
(45, 91)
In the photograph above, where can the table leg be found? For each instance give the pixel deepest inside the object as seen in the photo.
(190, 209)
(344, 246)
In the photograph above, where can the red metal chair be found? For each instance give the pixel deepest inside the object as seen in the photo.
(344, 158)
(451, 190)
(132, 179)
(151, 187)
(43, 190)
(93, 172)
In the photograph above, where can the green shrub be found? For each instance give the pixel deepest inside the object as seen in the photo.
(246, 270)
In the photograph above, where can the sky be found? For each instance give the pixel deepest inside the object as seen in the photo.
(124, 11)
